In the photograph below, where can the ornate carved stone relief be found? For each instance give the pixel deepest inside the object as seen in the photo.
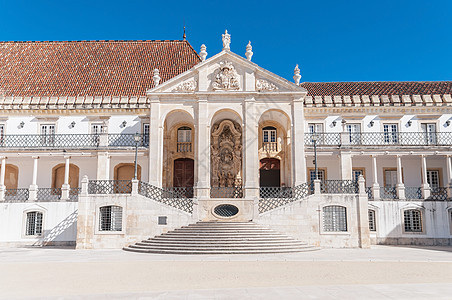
(265, 86)
(188, 86)
(226, 154)
(227, 78)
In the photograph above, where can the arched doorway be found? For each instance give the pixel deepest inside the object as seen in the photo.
(270, 174)
(126, 171)
(183, 174)
(58, 175)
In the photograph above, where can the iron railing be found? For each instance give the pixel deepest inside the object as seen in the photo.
(109, 187)
(16, 195)
(152, 192)
(438, 194)
(273, 197)
(388, 192)
(339, 187)
(49, 194)
(68, 141)
(226, 192)
(381, 139)
(370, 193)
(73, 194)
(178, 192)
(413, 193)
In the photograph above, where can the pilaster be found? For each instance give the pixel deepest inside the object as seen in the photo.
(250, 150)
(298, 153)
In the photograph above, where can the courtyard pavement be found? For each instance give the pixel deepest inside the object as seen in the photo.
(382, 272)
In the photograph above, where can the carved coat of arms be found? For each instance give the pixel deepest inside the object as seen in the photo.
(227, 78)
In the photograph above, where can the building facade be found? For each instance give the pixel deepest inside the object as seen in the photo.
(105, 143)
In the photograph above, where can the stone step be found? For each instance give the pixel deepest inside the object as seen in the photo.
(222, 242)
(213, 239)
(229, 251)
(225, 246)
(217, 231)
(219, 248)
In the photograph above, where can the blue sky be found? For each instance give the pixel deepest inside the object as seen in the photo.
(330, 40)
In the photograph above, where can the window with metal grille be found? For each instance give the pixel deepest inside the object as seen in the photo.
(372, 224)
(433, 178)
(184, 139)
(34, 223)
(412, 220)
(110, 218)
(320, 174)
(334, 218)
(269, 134)
(429, 130)
(146, 134)
(47, 134)
(2, 133)
(391, 135)
(356, 173)
(354, 133)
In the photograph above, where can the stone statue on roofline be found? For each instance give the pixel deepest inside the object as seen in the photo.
(226, 40)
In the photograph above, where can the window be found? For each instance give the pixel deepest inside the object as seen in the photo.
(47, 134)
(97, 128)
(334, 218)
(390, 178)
(390, 133)
(2, 134)
(429, 130)
(320, 173)
(356, 173)
(316, 128)
(184, 139)
(372, 224)
(412, 220)
(269, 139)
(34, 223)
(433, 179)
(354, 133)
(146, 134)
(110, 218)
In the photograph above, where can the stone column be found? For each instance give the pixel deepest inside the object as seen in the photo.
(400, 186)
(448, 183)
(250, 150)
(65, 188)
(202, 151)
(362, 213)
(33, 190)
(155, 147)
(346, 165)
(103, 166)
(298, 163)
(2, 179)
(426, 192)
(375, 185)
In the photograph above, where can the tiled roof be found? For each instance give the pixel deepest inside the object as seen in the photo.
(90, 68)
(378, 88)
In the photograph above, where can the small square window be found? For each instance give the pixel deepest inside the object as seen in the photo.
(163, 220)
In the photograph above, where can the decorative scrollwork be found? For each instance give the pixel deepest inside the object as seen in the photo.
(227, 78)
(188, 86)
(265, 86)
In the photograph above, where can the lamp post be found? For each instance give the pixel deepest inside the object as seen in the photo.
(314, 140)
(137, 138)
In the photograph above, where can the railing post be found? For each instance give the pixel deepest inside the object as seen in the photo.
(33, 190)
(135, 183)
(375, 185)
(345, 140)
(317, 187)
(362, 186)
(426, 191)
(103, 140)
(400, 188)
(33, 193)
(2, 179)
(85, 181)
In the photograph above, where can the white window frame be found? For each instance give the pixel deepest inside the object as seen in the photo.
(354, 133)
(430, 137)
(372, 220)
(146, 132)
(347, 220)
(99, 230)
(26, 223)
(2, 133)
(422, 220)
(47, 139)
(391, 137)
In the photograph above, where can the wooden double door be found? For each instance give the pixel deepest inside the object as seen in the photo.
(184, 172)
(270, 173)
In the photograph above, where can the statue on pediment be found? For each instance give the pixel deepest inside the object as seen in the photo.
(227, 78)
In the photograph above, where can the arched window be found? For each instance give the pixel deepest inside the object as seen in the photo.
(372, 224)
(184, 139)
(412, 220)
(110, 218)
(334, 218)
(269, 139)
(34, 223)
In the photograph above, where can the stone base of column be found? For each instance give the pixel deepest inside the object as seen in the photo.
(251, 192)
(426, 191)
(65, 189)
(400, 188)
(2, 192)
(376, 191)
(317, 190)
(195, 213)
(202, 193)
(449, 191)
(33, 192)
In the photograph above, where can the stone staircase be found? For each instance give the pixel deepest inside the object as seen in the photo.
(221, 238)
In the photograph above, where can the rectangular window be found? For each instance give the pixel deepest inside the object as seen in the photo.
(334, 218)
(354, 133)
(433, 178)
(47, 134)
(429, 132)
(412, 220)
(390, 179)
(97, 128)
(356, 173)
(110, 218)
(372, 224)
(316, 128)
(320, 172)
(2, 134)
(34, 223)
(390, 133)
(146, 134)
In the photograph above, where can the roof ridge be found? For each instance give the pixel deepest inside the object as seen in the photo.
(326, 82)
(91, 41)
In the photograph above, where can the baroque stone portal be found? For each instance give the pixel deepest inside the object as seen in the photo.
(226, 154)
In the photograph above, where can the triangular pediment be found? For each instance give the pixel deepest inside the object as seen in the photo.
(227, 72)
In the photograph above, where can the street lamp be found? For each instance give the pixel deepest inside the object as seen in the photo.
(137, 138)
(314, 140)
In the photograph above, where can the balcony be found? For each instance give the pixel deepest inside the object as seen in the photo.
(70, 141)
(381, 139)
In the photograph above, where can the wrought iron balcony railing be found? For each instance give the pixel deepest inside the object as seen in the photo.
(413, 193)
(16, 195)
(70, 141)
(165, 196)
(49, 194)
(381, 139)
(438, 194)
(339, 187)
(109, 187)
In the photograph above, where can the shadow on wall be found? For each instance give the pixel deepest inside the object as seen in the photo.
(64, 228)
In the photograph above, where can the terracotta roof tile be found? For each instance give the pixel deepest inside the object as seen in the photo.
(94, 68)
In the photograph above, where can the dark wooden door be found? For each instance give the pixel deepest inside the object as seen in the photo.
(270, 172)
(183, 175)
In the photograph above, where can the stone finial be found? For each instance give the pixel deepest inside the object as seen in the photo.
(156, 77)
(249, 51)
(203, 52)
(226, 40)
(296, 75)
